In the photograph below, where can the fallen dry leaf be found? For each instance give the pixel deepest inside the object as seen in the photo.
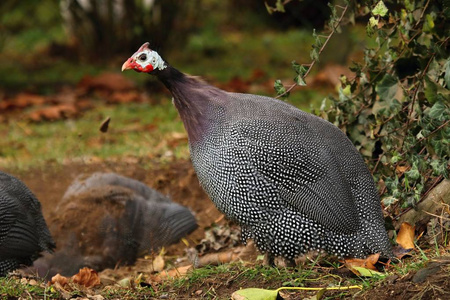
(22, 100)
(105, 124)
(158, 263)
(53, 113)
(367, 263)
(172, 273)
(58, 278)
(125, 97)
(400, 170)
(110, 82)
(405, 236)
(87, 277)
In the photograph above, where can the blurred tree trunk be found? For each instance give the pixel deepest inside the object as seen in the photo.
(101, 28)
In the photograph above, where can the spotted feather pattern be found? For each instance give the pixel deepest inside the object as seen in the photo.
(293, 181)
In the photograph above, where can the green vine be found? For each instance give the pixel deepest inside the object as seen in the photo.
(396, 108)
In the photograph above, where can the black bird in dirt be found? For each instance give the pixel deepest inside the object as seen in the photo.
(293, 181)
(23, 231)
(106, 219)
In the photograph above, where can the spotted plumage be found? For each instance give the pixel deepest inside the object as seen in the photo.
(23, 231)
(293, 181)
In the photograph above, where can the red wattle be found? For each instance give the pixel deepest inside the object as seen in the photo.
(148, 68)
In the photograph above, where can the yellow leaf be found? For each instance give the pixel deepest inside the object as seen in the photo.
(158, 263)
(405, 236)
(254, 293)
(367, 272)
(367, 263)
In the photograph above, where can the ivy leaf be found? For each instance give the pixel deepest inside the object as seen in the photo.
(447, 73)
(318, 41)
(254, 293)
(270, 10)
(299, 80)
(435, 92)
(437, 110)
(387, 201)
(413, 174)
(440, 146)
(299, 69)
(430, 90)
(396, 157)
(314, 54)
(279, 5)
(345, 94)
(369, 30)
(387, 88)
(279, 87)
(333, 10)
(439, 167)
(373, 22)
(428, 25)
(380, 9)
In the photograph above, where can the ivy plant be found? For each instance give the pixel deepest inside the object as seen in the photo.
(395, 108)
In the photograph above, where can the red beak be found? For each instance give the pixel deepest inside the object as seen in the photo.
(129, 64)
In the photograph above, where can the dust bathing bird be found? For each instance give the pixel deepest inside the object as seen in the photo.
(23, 231)
(293, 181)
(105, 220)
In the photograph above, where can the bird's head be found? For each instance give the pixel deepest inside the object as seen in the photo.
(144, 60)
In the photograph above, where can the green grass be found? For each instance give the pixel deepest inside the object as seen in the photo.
(218, 282)
(11, 288)
(137, 130)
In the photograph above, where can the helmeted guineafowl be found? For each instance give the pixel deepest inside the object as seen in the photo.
(293, 181)
(106, 219)
(23, 231)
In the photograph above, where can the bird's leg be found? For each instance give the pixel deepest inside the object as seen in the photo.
(290, 263)
(269, 259)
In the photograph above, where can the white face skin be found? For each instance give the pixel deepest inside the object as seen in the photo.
(145, 60)
(146, 57)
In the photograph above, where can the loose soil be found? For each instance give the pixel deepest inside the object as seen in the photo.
(179, 182)
(176, 180)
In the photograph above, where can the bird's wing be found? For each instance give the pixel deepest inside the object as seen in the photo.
(18, 232)
(176, 222)
(83, 183)
(22, 226)
(288, 157)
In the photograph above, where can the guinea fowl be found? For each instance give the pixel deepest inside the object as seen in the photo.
(293, 181)
(106, 219)
(23, 231)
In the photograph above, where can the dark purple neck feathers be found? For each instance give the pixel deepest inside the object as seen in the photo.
(190, 98)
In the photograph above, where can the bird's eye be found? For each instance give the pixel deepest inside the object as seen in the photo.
(143, 57)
